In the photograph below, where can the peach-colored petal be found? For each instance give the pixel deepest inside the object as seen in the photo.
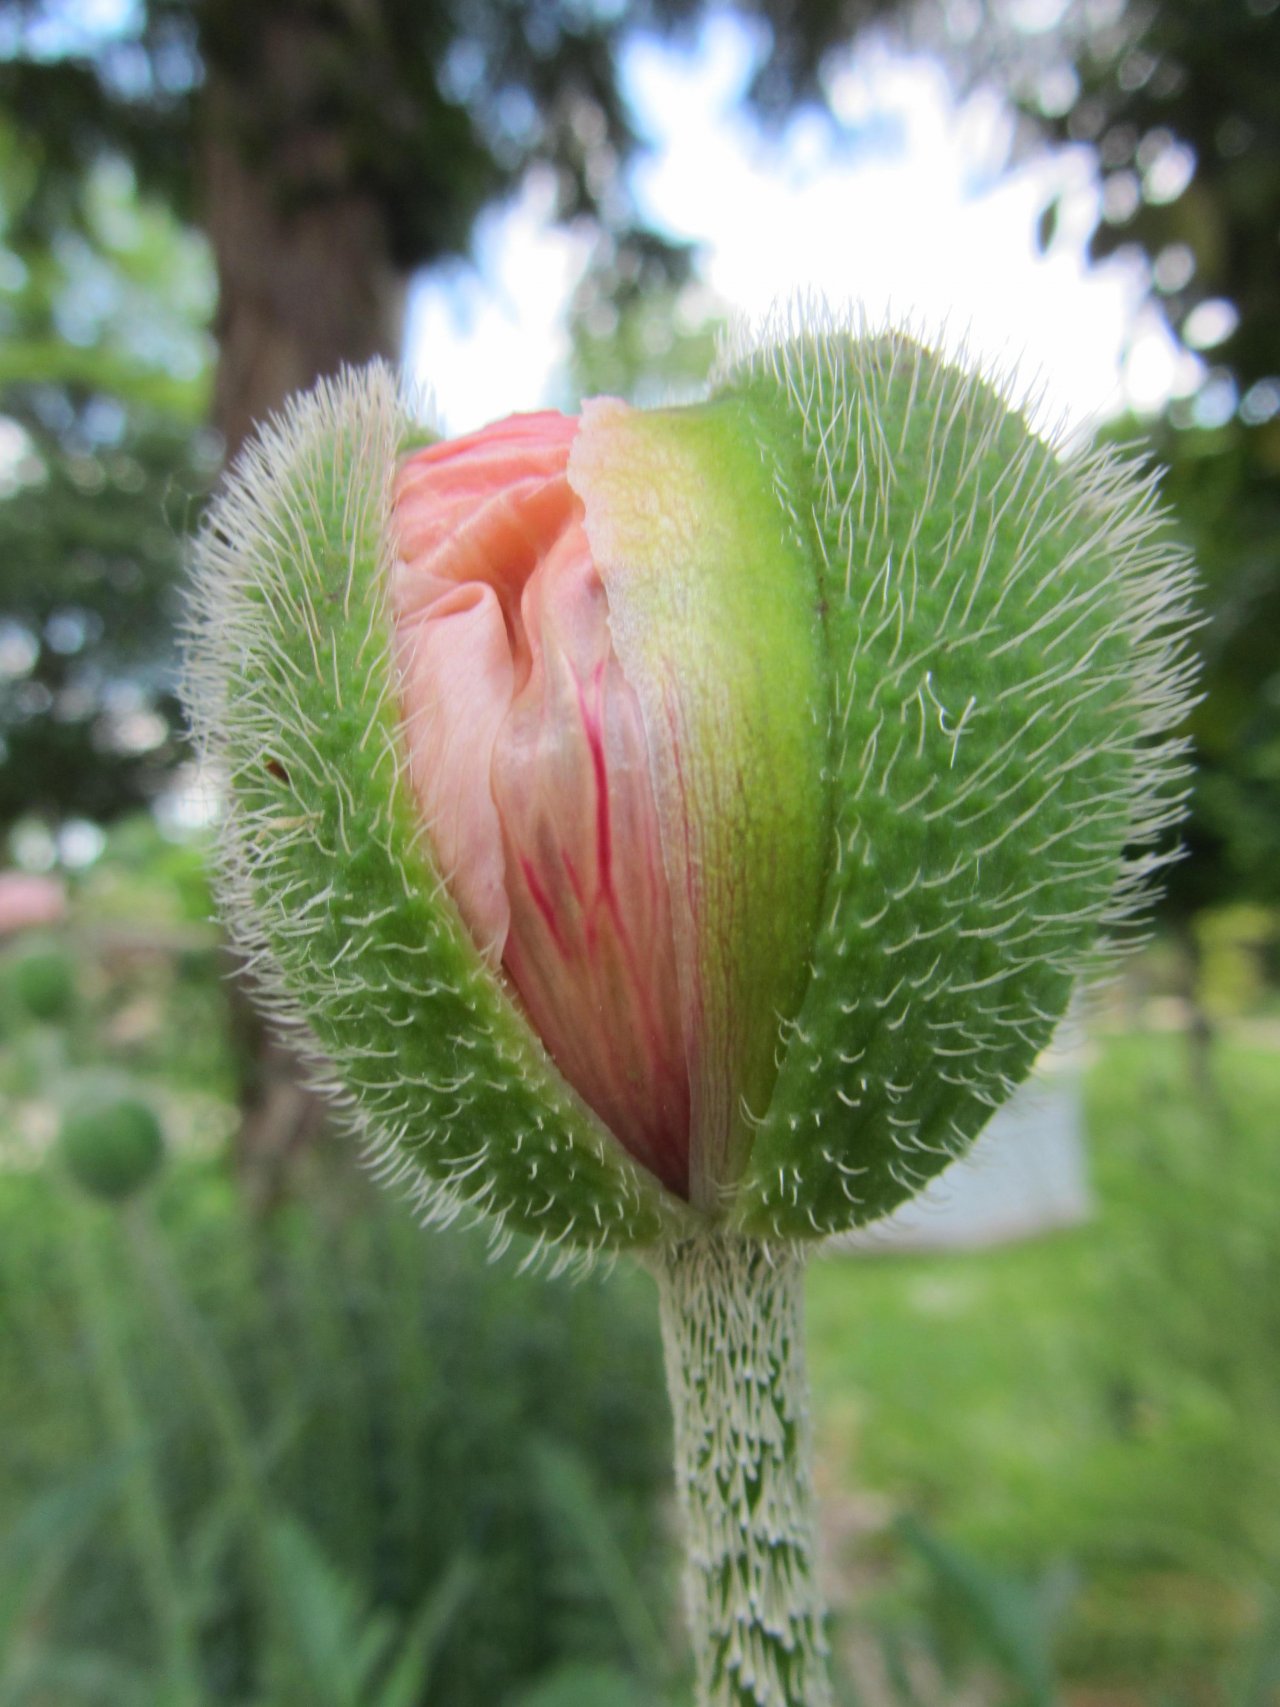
(527, 753)
(457, 677)
(591, 948)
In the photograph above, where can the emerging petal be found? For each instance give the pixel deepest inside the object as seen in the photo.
(528, 756)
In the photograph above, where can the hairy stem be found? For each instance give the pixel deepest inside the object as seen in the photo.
(732, 1329)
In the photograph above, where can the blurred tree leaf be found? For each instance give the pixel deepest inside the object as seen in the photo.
(37, 1549)
(652, 346)
(1177, 99)
(405, 1682)
(1224, 488)
(104, 376)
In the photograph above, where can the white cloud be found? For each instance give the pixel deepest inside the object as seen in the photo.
(906, 209)
(487, 340)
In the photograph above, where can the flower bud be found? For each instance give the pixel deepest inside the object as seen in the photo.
(692, 817)
(44, 981)
(112, 1149)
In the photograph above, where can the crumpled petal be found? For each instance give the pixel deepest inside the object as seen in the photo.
(527, 753)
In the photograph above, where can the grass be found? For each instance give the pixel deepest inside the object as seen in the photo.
(1069, 1444)
(300, 1461)
(1107, 1399)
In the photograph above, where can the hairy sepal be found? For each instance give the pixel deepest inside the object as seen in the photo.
(326, 873)
(1007, 628)
(714, 610)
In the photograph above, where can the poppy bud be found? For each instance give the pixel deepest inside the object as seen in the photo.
(693, 818)
(113, 1149)
(681, 829)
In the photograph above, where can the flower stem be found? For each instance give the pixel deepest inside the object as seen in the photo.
(732, 1330)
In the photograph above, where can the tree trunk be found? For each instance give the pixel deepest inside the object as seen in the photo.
(306, 279)
(306, 284)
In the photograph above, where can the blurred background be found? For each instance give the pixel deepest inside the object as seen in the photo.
(261, 1440)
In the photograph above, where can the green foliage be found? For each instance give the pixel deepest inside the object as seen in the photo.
(392, 1400)
(999, 1617)
(652, 347)
(112, 1150)
(103, 464)
(585, 1686)
(425, 113)
(1224, 486)
(419, 115)
(1259, 1682)
(1102, 1407)
(1178, 100)
(596, 1568)
(350, 1655)
(475, 1466)
(335, 1460)
(1238, 948)
(147, 974)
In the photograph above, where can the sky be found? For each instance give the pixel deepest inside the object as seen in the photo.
(905, 206)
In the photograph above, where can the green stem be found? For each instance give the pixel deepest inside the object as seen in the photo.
(732, 1330)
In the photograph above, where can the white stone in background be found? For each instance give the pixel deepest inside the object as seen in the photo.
(1027, 1174)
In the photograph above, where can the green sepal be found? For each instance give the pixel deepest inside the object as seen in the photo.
(714, 608)
(326, 872)
(1003, 624)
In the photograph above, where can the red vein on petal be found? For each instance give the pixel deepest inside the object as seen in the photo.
(554, 725)
(542, 901)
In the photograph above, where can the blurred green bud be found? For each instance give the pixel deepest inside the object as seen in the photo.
(112, 1149)
(694, 818)
(44, 981)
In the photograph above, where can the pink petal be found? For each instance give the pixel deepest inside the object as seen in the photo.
(528, 756)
